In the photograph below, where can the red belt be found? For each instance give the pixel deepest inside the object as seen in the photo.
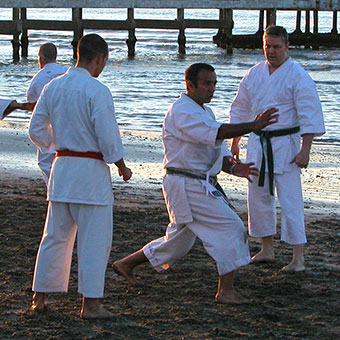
(88, 154)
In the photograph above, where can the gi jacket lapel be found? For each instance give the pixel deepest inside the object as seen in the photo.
(266, 87)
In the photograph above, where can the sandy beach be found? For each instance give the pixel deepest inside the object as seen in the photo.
(178, 304)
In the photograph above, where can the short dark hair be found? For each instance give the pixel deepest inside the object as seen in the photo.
(276, 31)
(49, 51)
(191, 73)
(90, 46)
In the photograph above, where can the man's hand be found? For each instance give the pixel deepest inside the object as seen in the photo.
(302, 158)
(245, 170)
(125, 172)
(235, 150)
(266, 118)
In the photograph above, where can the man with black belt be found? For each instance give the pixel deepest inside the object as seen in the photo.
(279, 82)
(75, 115)
(195, 153)
(7, 106)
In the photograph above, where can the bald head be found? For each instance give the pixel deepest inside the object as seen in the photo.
(47, 54)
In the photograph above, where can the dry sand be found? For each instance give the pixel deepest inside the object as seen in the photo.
(178, 304)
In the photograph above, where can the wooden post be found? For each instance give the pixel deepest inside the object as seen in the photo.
(24, 35)
(260, 31)
(217, 38)
(16, 34)
(181, 35)
(315, 46)
(307, 29)
(229, 30)
(78, 31)
(335, 22)
(271, 17)
(131, 41)
(298, 22)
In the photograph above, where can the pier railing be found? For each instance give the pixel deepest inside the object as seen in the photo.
(20, 24)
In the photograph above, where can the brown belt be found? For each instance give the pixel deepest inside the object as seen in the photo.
(88, 154)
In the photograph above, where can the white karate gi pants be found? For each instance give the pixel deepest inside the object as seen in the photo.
(94, 239)
(262, 209)
(218, 227)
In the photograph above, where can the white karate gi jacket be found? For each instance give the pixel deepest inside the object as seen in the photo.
(40, 79)
(3, 106)
(189, 140)
(76, 112)
(290, 89)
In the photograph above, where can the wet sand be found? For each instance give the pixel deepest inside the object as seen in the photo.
(178, 304)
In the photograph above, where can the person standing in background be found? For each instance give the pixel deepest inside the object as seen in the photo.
(277, 150)
(49, 69)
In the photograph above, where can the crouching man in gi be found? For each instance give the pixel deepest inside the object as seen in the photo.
(194, 154)
(75, 115)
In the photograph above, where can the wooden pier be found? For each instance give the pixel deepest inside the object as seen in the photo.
(308, 36)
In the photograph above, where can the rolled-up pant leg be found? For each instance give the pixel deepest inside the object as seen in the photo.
(94, 245)
(289, 192)
(175, 244)
(52, 267)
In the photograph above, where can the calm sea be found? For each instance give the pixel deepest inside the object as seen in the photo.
(145, 86)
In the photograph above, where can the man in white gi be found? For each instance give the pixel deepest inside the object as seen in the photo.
(7, 106)
(49, 69)
(75, 115)
(279, 82)
(194, 154)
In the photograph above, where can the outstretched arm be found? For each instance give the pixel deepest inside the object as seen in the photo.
(262, 120)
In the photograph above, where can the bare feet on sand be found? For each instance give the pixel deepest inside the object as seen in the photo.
(294, 267)
(264, 256)
(38, 302)
(122, 269)
(95, 313)
(231, 298)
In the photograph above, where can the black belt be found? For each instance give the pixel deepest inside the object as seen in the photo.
(212, 180)
(267, 135)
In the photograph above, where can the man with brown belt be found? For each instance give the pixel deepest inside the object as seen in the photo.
(75, 115)
(195, 152)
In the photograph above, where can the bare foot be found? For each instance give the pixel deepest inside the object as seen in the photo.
(294, 267)
(232, 298)
(264, 256)
(99, 313)
(38, 302)
(121, 269)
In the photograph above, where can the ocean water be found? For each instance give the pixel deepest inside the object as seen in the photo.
(145, 86)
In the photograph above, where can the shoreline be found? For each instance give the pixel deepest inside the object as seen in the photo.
(321, 183)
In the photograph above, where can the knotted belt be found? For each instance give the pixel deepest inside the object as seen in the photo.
(88, 154)
(212, 180)
(267, 135)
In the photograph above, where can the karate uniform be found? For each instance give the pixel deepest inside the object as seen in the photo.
(195, 207)
(40, 79)
(4, 103)
(290, 89)
(75, 112)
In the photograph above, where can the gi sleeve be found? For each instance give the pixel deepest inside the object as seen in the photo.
(40, 129)
(308, 106)
(106, 127)
(240, 109)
